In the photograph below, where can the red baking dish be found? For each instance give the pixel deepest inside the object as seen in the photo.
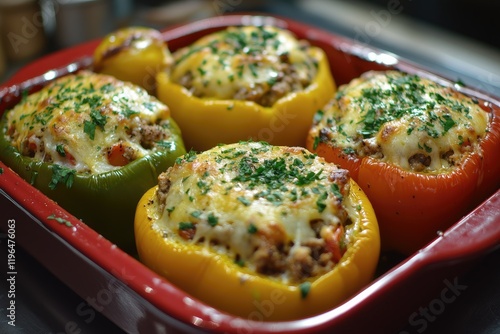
(138, 300)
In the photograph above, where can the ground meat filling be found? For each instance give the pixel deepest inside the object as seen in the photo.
(273, 256)
(250, 53)
(418, 162)
(298, 262)
(286, 82)
(264, 94)
(163, 189)
(148, 134)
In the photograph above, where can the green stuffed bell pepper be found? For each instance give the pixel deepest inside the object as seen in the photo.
(94, 145)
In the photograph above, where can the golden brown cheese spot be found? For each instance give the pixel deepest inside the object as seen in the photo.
(403, 119)
(279, 211)
(260, 64)
(89, 122)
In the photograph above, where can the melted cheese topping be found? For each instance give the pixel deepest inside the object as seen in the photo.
(242, 61)
(235, 198)
(77, 119)
(403, 119)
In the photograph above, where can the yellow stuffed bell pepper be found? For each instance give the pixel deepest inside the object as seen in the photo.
(264, 232)
(133, 54)
(242, 83)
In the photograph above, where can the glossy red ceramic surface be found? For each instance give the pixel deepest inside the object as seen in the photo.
(138, 300)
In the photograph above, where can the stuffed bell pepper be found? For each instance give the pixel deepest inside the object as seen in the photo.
(134, 54)
(424, 154)
(249, 227)
(93, 144)
(250, 82)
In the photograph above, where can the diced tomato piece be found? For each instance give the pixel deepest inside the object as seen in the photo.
(116, 155)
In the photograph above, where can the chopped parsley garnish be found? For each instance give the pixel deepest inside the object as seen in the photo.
(196, 214)
(97, 120)
(107, 88)
(239, 262)
(60, 150)
(188, 157)
(61, 174)
(252, 229)
(320, 202)
(405, 96)
(318, 116)
(272, 179)
(60, 220)
(304, 288)
(245, 201)
(204, 186)
(127, 112)
(212, 219)
(183, 226)
(336, 191)
(447, 122)
(89, 129)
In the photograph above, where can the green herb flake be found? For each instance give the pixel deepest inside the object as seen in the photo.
(212, 219)
(98, 118)
(316, 142)
(427, 148)
(183, 226)
(60, 150)
(320, 202)
(239, 262)
(127, 112)
(447, 122)
(318, 116)
(305, 288)
(196, 214)
(252, 229)
(201, 71)
(245, 201)
(336, 191)
(62, 175)
(188, 157)
(60, 220)
(89, 129)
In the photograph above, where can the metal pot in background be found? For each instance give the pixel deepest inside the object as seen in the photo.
(78, 21)
(22, 29)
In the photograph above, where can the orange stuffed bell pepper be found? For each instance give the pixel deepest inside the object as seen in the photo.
(424, 154)
(243, 83)
(249, 227)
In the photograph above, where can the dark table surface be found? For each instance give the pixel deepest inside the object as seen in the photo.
(44, 304)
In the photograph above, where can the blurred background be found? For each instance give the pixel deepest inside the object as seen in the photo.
(457, 38)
